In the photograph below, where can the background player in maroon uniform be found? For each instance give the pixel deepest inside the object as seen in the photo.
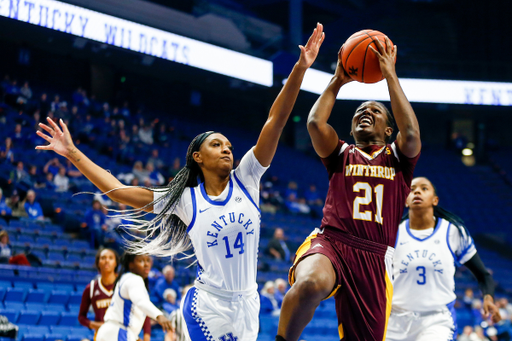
(351, 255)
(99, 292)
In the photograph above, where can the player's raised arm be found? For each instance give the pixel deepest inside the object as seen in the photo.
(61, 142)
(269, 137)
(408, 138)
(323, 136)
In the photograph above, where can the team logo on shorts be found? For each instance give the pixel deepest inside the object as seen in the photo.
(228, 337)
(238, 199)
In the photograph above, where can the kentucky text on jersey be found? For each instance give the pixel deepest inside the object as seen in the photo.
(424, 254)
(371, 171)
(223, 221)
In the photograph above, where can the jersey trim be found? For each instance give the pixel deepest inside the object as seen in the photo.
(449, 247)
(127, 307)
(242, 187)
(393, 147)
(102, 288)
(217, 203)
(451, 309)
(196, 327)
(123, 335)
(374, 154)
(343, 147)
(194, 209)
(407, 228)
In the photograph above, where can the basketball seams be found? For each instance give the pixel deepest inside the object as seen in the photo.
(348, 56)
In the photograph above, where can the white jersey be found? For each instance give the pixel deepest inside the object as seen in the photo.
(129, 307)
(225, 229)
(425, 263)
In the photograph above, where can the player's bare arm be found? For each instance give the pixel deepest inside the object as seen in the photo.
(408, 138)
(281, 109)
(60, 141)
(323, 136)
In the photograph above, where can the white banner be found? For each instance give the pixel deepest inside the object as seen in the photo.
(107, 29)
(418, 90)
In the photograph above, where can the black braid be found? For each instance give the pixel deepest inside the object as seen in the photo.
(126, 259)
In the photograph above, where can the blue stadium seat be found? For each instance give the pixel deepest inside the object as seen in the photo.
(74, 308)
(56, 256)
(61, 242)
(23, 285)
(41, 330)
(46, 286)
(25, 239)
(35, 306)
(49, 318)
(54, 337)
(58, 296)
(14, 305)
(5, 284)
(75, 298)
(11, 314)
(44, 241)
(32, 337)
(15, 295)
(80, 244)
(68, 319)
(62, 330)
(74, 258)
(69, 288)
(28, 317)
(55, 307)
(35, 296)
(2, 295)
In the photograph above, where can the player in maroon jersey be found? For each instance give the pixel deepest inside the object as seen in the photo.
(99, 292)
(350, 256)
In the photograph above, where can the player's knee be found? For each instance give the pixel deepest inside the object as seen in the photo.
(313, 287)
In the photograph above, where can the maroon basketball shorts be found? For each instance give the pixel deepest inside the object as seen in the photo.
(364, 288)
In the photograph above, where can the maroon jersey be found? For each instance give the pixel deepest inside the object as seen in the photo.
(367, 191)
(97, 295)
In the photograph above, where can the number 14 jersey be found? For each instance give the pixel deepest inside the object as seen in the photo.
(367, 190)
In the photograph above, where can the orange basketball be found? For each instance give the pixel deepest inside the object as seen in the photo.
(358, 60)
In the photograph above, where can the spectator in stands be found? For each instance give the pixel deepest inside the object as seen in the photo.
(466, 334)
(169, 304)
(32, 207)
(48, 183)
(281, 287)
(52, 166)
(313, 198)
(176, 167)
(94, 224)
(26, 92)
(178, 333)
(125, 110)
(61, 181)
(146, 134)
(269, 304)
(154, 275)
(166, 282)
(139, 172)
(16, 205)
(479, 334)
(156, 160)
(20, 177)
(277, 247)
(5, 247)
(468, 298)
(44, 105)
(35, 178)
(155, 177)
(5, 211)
(6, 154)
(505, 308)
(476, 311)
(17, 136)
(163, 137)
(293, 202)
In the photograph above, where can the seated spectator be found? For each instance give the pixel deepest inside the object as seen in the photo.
(313, 197)
(94, 224)
(26, 92)
(16, 205)
(52, 166)
(5, 247)
(466, 334)
(163, 137)
(156, 160)
(281, 287)
(178, 332)
(169, 304)
(139, 172)
(125, 110)
(268, 301)
(19, 174)
(154, 275)
(146, 134)
(166, 282)
(155, 178)
(48, 183)
(17, 136)
(6, 154)
(277, 247)
(32, 207)
(296, 205)
(44, 105)
(468, 298)
(176, 167)
(5, 211)
(61, 181)
(54, 106)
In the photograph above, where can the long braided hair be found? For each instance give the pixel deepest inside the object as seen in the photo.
(126, 259)
(166, 234)
(440, 212)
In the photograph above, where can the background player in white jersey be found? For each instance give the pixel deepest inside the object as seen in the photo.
(130, 303)
(219, 217)
(430, 243)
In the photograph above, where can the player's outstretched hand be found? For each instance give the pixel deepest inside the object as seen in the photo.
(309, 52)
(340, 72)
(59, 138)
(165, 323)
(491, 309)
(387, 57)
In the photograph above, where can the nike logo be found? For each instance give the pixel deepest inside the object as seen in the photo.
(201, 211)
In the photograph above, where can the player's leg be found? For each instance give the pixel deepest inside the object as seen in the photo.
(315, 279)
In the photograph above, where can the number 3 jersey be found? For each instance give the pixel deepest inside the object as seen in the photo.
(424, 265)
(367, 190)
(225, 229)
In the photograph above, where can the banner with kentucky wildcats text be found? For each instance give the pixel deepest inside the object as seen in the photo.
(107, 29)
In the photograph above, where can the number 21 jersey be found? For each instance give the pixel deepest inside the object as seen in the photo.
(367, 190)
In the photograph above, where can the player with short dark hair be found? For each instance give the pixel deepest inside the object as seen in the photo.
(350, 255)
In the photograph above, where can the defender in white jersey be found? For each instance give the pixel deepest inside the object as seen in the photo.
(130, 303)
(218, 216)
(429, 246)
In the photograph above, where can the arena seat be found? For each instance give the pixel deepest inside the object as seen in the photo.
(59, 296)
(49, 318)
(11, 314)
(15, 295)
(5, 284)
(28, 317)
(61, 330)
(35, 306)
(24, 285)
(32, 337)
(68, 319)
(36, 296)
(75, 298)
(54, 337)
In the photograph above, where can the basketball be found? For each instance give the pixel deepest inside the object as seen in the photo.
(358, 60)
